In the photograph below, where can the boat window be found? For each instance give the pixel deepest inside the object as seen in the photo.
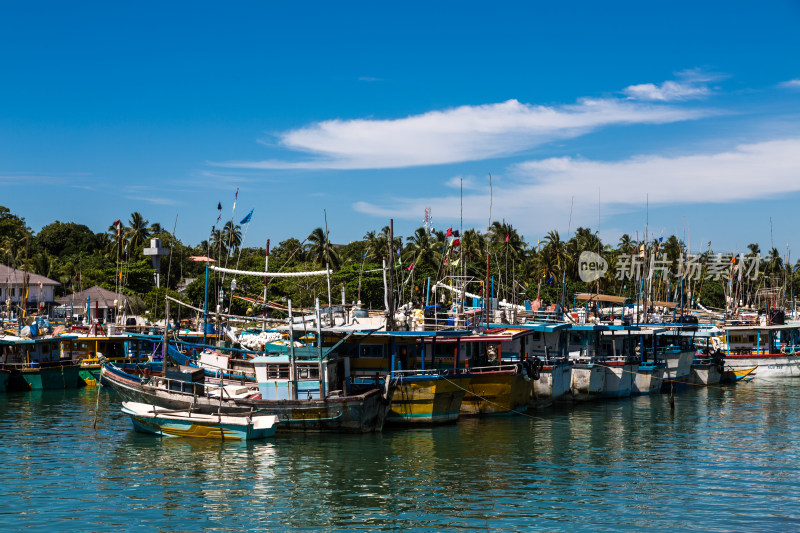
(536, 336)
(371, 350)
(277, 371)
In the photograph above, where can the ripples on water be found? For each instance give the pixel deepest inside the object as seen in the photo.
(725, 459)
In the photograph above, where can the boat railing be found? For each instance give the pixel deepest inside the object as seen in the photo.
(494, 368)
(427, 372)
(190, 387)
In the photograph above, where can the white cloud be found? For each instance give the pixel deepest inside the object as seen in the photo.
(692, 85)
(666, 92)
(791, 84)
(466, 133)
(539, 196)
(463, 182)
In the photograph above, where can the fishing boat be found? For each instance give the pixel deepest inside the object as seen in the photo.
(675, 347)
(708, 364)
(428, 368)
(86, 347)
(36, 364)
(170, 423)
(774, 349)
(649, 374)
(588, 374)
(308, 389)
(548, 343)
(618, 353)
(741, 374)
(502, 371)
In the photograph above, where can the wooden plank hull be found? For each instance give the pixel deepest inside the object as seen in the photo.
(497, 393)
(648, 379)
(618, 379)
(431, 399)
(361, 413)
(553, 385)
(769, 365)
(704, 374)
(186, 424)
(49, 377)
(588, 382)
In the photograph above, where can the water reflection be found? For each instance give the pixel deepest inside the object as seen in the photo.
(722, 459)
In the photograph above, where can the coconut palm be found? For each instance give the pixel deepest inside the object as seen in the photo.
(321, 250)
(137, 231)
(232, 235)
(423, 249)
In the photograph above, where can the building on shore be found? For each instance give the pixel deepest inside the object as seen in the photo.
(18, 288)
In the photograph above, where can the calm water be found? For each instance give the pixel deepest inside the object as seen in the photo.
(724, 459)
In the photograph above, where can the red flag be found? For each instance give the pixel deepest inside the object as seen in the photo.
(506, 237)
(449, 232)
(411, 267)
(116, 222)
(456, 242)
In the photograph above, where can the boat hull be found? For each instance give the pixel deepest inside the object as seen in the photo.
(199, 426)
(89, 375)
(648, 379)
(553, 385)
(428, 399)
(618, 379)
(55, 377)
(588, 382)
(678, 369)
(361, 413)
(769, 365)
(496, 393)
(704, 374)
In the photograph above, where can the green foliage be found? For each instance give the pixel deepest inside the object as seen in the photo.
(67, 238)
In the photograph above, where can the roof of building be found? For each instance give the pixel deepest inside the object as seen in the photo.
(16, 276)
(103, 297)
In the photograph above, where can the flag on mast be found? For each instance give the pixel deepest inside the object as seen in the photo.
(247, 218)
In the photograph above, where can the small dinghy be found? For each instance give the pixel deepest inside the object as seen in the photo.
(171, 423)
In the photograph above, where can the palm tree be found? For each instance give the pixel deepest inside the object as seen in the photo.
(473, 249)
(321, 249)
(423, 250)
(137, 231)
(156, 228)
(497, 234)
(625, 244)
(232, 235)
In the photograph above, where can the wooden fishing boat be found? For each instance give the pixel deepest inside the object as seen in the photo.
(169, 423)
(775, 350)
(739, 374)
(588, 379)
(426, 367)
(338, 404)
(548, 344)
(675, 347)
(36, 364)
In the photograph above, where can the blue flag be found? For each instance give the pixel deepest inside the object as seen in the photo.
(246, 219)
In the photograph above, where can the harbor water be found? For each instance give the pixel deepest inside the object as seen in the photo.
(721, 459)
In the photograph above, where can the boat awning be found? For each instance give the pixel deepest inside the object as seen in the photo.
(619, 300)
(544, 327)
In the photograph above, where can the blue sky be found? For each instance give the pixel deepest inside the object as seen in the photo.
(375, 110)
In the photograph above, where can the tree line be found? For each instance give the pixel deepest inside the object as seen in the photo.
(79, 258)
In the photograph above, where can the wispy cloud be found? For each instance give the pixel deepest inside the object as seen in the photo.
(466, 133)
(369, 79)
(463, 182)
(536, 196)
(666, 92)
(790, 84)
(692, 84)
